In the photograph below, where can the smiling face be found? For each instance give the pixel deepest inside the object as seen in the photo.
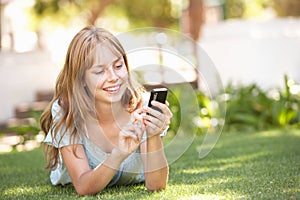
(107, 78)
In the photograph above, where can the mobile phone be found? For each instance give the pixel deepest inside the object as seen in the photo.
(158, 94)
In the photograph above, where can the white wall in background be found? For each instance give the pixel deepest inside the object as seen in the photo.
(254, 51)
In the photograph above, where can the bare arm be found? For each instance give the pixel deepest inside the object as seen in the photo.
(91, 181)
(155, 164)
(154, 159)
(85, 180)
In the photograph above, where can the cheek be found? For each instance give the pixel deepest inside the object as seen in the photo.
(93, 83)
(123, 73)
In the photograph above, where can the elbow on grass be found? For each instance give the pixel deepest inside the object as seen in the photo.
(157, 183)
(83, 191)
(155, 187)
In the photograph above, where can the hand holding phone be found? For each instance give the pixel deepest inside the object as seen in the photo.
(156, 123)
(158, 94)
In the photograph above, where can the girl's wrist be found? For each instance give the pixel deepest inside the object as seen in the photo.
(119, 154)
(115, 159)
(154, 139)
(153, 135)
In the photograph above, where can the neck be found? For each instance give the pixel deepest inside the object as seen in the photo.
(109, 113)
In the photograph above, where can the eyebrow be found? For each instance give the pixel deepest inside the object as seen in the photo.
(103, 66)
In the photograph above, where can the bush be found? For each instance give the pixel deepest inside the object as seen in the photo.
(252, 107)
(248, 107)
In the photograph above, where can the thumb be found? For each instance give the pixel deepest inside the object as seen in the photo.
(137, 117)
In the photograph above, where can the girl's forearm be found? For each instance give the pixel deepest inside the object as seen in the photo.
(97, 179)
(155, 164)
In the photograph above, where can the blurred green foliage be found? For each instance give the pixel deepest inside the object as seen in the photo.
(30, 130)
(128, 14)
(251, 107)
(193, 110)
(51, 12)
(248, 107)
(249, 8)
(157, 13)
(27, 131)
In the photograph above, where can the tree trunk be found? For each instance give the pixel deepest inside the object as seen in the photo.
(0, 26)
(196, 18)
(98, 10)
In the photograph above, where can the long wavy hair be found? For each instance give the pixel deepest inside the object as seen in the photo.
(75, 101)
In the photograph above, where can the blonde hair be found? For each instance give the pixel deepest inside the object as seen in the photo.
(75, 100)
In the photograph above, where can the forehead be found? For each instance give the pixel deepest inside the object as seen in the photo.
(105, 53)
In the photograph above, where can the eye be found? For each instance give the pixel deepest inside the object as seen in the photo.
(99, 72)
(119, 65)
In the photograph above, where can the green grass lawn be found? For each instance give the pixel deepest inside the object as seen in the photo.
(262, 165)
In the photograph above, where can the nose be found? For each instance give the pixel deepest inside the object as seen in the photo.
(111, 74)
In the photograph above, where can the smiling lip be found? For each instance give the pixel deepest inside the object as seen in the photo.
(112, 89)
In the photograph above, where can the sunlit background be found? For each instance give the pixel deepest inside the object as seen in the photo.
(235, 57)
(249, 41)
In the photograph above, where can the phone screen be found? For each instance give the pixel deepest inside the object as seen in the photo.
(158, 94)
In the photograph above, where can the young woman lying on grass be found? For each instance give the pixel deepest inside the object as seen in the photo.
(98, 132)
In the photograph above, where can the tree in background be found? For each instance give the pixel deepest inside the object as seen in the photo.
(157, 13)
(247, 8)
(135, 13)
(192, 22)
(286, 7)
(139, 13)
(62, 11)
(193, 19)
